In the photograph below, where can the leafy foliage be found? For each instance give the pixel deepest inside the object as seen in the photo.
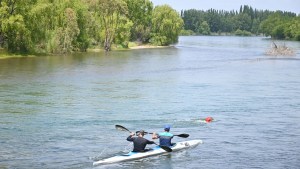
(63, 26)
(14, 35)
(140, 12)
(112, 14)
(242, 33)
(279, 25)
(204, 28)
(166, 25)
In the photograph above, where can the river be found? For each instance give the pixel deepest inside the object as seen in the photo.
(60, 111)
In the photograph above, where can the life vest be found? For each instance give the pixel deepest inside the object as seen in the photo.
(165, 139)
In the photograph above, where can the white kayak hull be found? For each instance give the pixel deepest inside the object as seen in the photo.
(154, 151)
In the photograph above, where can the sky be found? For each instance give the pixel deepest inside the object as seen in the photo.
(272, 5)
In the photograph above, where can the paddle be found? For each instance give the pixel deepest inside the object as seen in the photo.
(122, 128)
(178, 135)
(119, 127)
(166, 148)
(183, 135)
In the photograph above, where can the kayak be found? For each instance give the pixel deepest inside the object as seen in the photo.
(152, 152)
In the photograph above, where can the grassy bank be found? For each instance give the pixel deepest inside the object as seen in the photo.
(4, 54)
(132, 45)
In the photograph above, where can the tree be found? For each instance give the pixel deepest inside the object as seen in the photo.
(140, 12)
(243, 22)
(204, 28)
(84, 21)
(267, 25)
(166, 25)
(276, 25)
(278, 32)
(192, 19)
(255, 26)
(58, 26)
(122, 32)
(292, 29)
(14, 34)
(41, 15)
(111, 13)
(69, 31)
(214, 20)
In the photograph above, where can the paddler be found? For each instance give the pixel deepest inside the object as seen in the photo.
(164, 137)
(139, 142)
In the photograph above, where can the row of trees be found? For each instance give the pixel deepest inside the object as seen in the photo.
(55, 26)
(59, 26)
(282, 25)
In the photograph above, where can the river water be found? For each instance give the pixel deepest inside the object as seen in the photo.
(60, 111)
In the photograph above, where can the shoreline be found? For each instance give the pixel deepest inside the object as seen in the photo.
(147, 47)
(129, 48)
(5, 55)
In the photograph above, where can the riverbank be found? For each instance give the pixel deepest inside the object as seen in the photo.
(131, 46)
(5, 55)
(147, 47)
(15, 56)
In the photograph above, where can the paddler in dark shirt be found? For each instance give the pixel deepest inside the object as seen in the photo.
(139, 142)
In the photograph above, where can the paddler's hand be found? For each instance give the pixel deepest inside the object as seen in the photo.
(154, 136)
(132, 134)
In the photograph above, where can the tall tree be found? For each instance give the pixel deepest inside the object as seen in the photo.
(243, 21)
(14, 34)
(192, 19)
(214, 20)
(270, 23)
(281, 26)
(293, 29)
(204, 28)
(69, 30)
(63, 26)
(166, 25)
(111, 14)
(140, 12)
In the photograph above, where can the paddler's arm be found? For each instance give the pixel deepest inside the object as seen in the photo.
(150, 142)
(130, 138)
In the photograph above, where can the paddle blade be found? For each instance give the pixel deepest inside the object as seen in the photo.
(166, 148)
(119, 127)
(183, 135)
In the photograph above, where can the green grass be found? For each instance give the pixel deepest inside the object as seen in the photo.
(5, 55)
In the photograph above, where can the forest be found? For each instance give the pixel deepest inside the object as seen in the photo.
(63, 26)
(247, 21)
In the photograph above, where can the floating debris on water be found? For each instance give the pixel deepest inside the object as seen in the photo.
(282, 50)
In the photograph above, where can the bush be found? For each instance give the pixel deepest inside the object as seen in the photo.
(186, 33)
(242, 33)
